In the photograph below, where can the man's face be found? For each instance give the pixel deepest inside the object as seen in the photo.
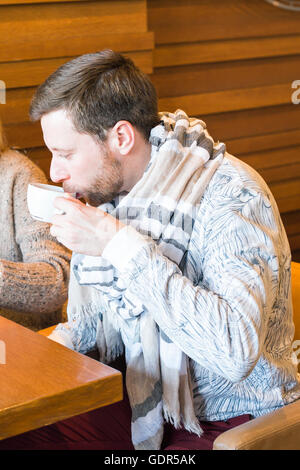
(81, 163)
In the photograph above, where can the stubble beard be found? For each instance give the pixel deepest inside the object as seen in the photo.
(106, 185)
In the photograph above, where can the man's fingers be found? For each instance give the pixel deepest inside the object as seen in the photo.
(65, 202)
(82, 228)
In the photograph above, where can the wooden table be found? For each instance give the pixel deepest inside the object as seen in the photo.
(42, 382)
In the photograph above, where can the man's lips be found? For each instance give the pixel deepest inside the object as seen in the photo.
(80, 197)
(75, 194)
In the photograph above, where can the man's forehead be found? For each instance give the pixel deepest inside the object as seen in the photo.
(57, 119)
(59, 142)
(60, 134)
(58, 131)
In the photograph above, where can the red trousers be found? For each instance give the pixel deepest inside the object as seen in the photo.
(108, 428)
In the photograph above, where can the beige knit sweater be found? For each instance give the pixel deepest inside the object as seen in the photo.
(34, 267)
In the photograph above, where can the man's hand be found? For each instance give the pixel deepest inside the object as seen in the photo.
(81, 228)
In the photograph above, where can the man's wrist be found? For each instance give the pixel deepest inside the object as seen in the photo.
(108, 227)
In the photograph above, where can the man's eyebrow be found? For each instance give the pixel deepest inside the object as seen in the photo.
(56, 149)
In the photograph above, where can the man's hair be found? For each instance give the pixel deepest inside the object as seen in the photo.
(3, 143)
(98, 90)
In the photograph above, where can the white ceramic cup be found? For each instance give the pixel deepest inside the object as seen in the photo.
(40, 199)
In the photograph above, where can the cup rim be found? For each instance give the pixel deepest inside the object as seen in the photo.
(47, 187)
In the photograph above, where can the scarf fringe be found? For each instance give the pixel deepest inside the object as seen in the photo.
(194, 428)
(177, 422)
(170, 418)
(110, 354)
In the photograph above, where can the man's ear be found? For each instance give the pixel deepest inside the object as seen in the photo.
(123, 137)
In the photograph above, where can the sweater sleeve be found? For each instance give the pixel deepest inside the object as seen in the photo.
(220, 319)
(38, 283)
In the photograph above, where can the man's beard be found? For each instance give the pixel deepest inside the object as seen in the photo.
(106, 185)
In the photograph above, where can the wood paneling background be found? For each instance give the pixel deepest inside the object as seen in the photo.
(231, 63)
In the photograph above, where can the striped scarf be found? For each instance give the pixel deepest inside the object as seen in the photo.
(162, 205)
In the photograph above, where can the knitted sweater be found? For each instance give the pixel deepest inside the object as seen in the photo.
(34, 267)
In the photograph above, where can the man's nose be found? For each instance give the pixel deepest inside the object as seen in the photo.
(58, 172)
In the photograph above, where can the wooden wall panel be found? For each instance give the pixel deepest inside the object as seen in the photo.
(28, 2)
(48, 30)
(176, 21)
(232, 64)
(210, 52)
(33, 72)
(229, 100)
(39, 36)
(210, 77)
(253, 122)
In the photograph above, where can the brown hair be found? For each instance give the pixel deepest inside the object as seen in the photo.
(3, 143)
(98, 90)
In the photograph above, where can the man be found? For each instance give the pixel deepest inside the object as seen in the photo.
(180, 261)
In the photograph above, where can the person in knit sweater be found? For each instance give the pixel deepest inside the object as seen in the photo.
(34, 267)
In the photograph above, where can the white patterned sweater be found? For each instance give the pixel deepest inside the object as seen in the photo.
(228, 306)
